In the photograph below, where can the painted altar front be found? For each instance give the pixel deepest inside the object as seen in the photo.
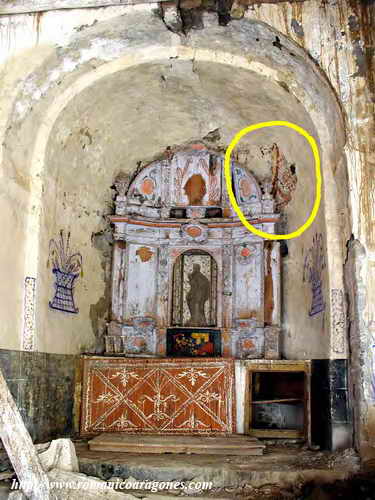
(192, 291)
(158, 396)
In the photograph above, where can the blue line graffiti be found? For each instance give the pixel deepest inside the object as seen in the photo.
(312, 273)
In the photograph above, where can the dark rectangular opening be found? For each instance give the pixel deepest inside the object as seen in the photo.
(178, 213)
(214, 213)
(278, 400)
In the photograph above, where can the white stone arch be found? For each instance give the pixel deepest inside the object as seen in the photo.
(307, 84)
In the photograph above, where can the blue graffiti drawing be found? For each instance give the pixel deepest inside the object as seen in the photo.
(66, 267)
(312, 273)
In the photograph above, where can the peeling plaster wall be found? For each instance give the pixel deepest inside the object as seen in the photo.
(336, 35)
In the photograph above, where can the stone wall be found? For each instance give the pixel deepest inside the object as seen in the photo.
(42, 386)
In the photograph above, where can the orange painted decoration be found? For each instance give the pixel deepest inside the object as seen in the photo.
(158, 396)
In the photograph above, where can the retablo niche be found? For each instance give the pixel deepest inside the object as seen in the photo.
(186, 267)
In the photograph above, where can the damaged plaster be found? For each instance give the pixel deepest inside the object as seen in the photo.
(99, 312)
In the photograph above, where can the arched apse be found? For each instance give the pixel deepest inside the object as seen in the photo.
(214, 79)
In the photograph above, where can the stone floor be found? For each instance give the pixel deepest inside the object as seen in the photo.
(282, 472)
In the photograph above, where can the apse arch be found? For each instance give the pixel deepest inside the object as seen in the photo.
(143, 57)
(305, 82)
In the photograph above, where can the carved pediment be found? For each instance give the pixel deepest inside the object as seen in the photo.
(190, 182)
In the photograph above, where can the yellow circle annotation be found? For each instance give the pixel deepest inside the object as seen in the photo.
(318, 191)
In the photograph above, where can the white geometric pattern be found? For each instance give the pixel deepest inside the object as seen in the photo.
(28, 332)
(161, 396)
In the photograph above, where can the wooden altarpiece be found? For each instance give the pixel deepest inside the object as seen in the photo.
(188, 278)
(192, 291)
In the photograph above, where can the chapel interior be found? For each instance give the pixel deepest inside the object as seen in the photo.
(187, 296)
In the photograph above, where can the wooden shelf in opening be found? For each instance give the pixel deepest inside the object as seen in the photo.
(284, 400)
(277, 433)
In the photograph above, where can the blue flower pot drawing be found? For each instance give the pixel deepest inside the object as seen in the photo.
(66, 267)
(63, 299)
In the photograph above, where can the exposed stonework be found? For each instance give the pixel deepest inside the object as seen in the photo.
(338, 320)
(361, 371)
(42, 385)
(20, 448)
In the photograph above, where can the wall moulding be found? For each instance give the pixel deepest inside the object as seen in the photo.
(28, 334)
(338, 312)
(30, 6)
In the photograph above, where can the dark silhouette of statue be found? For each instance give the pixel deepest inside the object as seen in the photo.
(197, 296)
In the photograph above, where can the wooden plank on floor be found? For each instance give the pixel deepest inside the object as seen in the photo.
(141, 443)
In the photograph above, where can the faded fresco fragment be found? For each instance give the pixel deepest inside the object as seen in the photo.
(312, 273)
